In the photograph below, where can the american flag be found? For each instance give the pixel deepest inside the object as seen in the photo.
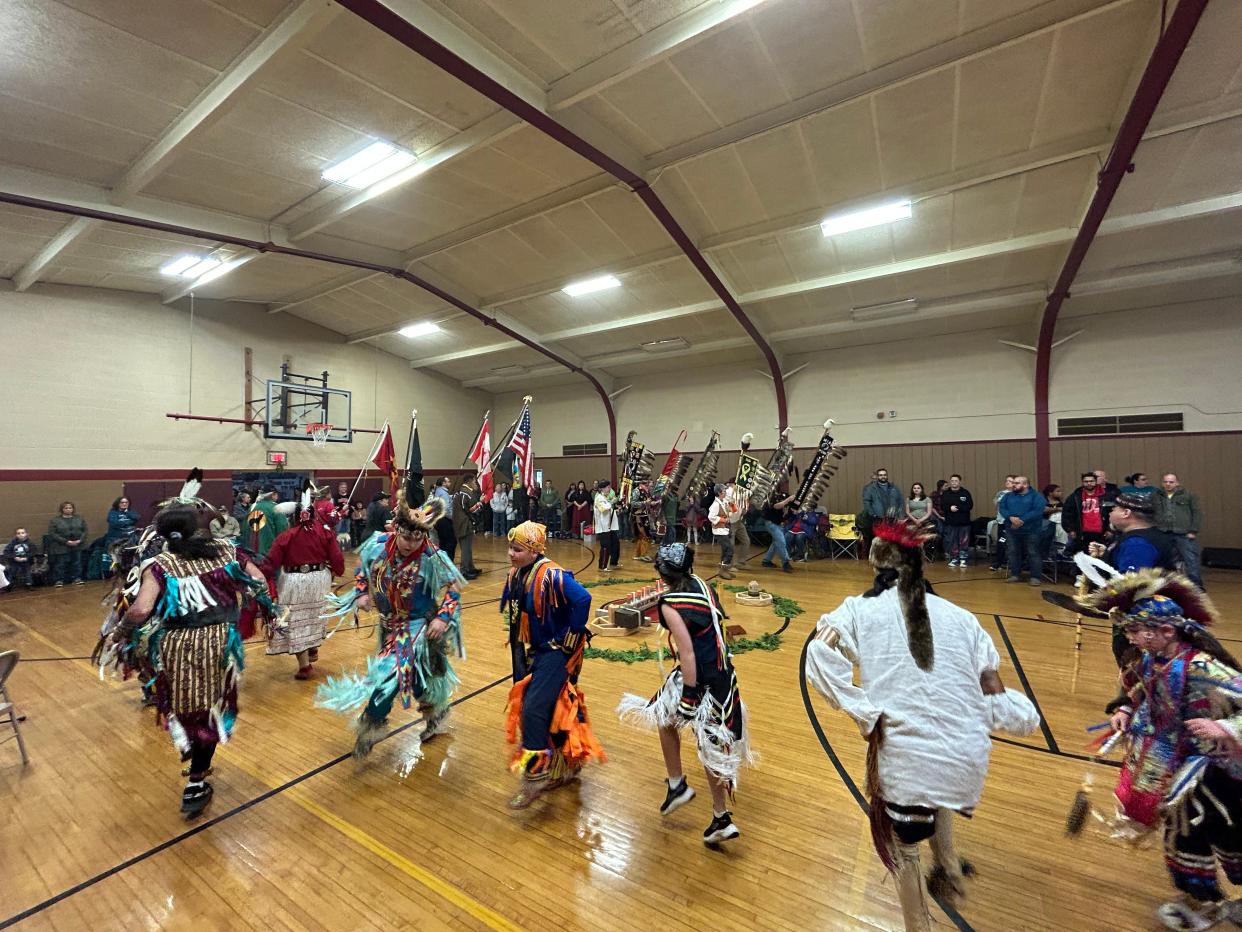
(521, 446)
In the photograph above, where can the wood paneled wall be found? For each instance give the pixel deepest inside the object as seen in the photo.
(1204, 462)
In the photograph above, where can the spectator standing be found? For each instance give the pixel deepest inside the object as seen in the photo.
(998, 552)
(1082, 515)
(1178, 514)
(445, 534)
(722, 533)
(695, 520)
(341, 501)
(357, 522)
(937, 513)
(918, 506)
(579, 503)
(956, 503)
(242, 503)
(122, 521)
(500, 510)
(1023, 513)
(1052, 510)
(774, 520)
(378, 515)
(606, 523)
(1138, 484)
(465, 505)
(881, 499)
(67, 547)
(19, 554)
(550, 507)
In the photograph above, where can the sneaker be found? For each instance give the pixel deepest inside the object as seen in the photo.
(952, 563)
(195, 798)
(768, 563)
(721, 829)
(1189, 915)
(60, 585)
(786, 568)
(1014, 579)
(677, 797)
(1035, 581)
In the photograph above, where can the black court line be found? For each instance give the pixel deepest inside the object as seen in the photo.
(1026, 686)
(1057, 753)
(954, 916)
(215, 820)
(203, 826)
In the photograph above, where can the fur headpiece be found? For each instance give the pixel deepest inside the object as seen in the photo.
(531, 535)
(420, 518)
(898, 546)
(1152, 596)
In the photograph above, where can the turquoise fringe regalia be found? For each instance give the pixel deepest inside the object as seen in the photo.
(409, 593)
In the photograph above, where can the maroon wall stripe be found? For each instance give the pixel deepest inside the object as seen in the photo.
(1160, 68)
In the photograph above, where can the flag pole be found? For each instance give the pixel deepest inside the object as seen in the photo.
(504, 442)
(370, 456)
(466, 459)
(409, 445)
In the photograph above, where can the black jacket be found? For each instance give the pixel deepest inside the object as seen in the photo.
(964, 502)
(1071, 510)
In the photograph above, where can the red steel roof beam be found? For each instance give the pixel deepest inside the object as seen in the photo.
(1160, 68)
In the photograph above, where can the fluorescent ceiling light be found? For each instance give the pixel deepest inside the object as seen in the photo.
(590, 285)
(178, 265)
(374, 163)
(661, 346)
(887, 310)
(189, 266)
(419, 330)
(871, 217)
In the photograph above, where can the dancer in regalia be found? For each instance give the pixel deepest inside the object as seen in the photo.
(928, 697)
(306, 556)
(548, 612)
(265, 522)
(1182, 718)
(415, 588)
(700, 694)
(181, 629)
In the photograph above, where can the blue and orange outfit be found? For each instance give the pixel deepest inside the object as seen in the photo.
(548, 612)
(409, 592)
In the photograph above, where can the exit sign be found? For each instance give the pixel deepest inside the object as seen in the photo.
(277, 457)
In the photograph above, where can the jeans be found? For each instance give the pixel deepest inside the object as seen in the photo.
(68, 566)
(778, 546)
(1188, 552)
(726, 548)
(1024, 542)
(552, 519)
(957, 542)
(500, 524)
(797, 543)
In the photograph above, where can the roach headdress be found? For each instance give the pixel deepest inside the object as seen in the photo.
(898, 546)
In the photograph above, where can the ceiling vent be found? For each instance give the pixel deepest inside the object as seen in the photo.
(1167, 423)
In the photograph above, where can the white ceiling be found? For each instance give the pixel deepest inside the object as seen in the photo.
(993, 116)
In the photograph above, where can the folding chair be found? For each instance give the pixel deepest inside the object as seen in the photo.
(843, 537)
(8, 712)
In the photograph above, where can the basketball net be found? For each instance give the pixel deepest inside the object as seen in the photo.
(319, 433)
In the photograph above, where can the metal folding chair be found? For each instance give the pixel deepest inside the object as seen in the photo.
(8, 712)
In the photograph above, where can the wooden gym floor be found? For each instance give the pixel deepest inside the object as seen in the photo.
(300, 836)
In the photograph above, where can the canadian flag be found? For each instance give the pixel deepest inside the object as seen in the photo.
(481, 456)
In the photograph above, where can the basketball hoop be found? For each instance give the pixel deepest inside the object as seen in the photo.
(319, 433)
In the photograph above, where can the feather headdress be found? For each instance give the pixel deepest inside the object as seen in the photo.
(189, 492)
(421, 517)
(898, 546)
(1159, 596)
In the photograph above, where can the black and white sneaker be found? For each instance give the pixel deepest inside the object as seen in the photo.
(195, 798)
(721, 829)
(677, 796)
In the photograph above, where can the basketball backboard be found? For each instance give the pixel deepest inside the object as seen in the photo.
(292, 407)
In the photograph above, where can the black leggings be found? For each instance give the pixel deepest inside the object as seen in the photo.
(609, 548)
(200, 759)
